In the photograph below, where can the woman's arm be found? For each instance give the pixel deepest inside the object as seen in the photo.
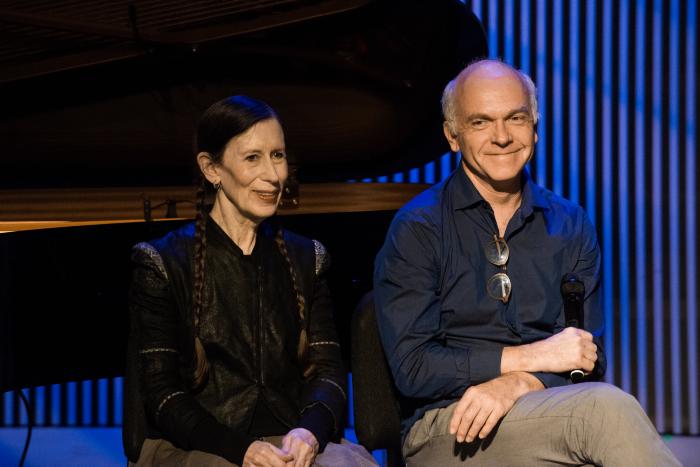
(324, 394)
(168, 402)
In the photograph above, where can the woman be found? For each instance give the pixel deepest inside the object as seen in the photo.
(238, 358)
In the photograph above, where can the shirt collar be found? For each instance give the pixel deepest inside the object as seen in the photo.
(465, 194)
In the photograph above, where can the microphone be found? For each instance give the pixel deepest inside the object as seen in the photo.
(573, 291)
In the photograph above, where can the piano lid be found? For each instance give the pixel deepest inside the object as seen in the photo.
(100, 93)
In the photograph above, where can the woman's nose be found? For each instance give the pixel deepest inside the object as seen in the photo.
(269, 171)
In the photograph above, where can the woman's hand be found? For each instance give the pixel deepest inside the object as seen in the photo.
(302, 445)
(262, 454)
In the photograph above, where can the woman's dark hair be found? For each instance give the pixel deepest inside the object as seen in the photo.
(222, 121)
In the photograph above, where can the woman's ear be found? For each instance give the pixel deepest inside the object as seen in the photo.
(208, 167)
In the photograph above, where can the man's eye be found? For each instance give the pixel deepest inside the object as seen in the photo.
(519, 118)
(479, 123)
(252, 157)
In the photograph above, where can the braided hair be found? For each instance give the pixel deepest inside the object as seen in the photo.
(222, 121)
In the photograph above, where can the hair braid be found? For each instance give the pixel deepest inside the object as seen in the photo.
(303, 348)
(200, 365)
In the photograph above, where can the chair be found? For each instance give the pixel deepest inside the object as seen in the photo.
(377, 412)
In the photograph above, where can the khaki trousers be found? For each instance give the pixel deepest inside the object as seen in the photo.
(582, 424)
(162, 453)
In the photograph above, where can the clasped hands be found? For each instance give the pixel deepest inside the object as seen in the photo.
(483, 405)
(299, 449)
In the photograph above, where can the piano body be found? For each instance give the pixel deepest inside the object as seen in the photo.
(99, 105)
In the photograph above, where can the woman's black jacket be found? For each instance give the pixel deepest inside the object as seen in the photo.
(249, 327)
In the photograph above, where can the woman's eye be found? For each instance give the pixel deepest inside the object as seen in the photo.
(279, 155)
(252, 157)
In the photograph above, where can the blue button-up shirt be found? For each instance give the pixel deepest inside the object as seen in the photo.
(441, 330)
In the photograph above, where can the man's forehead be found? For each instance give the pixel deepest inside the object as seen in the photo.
(480, 92)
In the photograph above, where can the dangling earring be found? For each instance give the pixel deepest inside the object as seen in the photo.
(217, 185)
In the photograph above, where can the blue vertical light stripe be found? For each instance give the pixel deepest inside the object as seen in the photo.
(622, 191)
(118, 400)
(87, 403)
(674, 214)
(557, 100)
(542, 51)
(640, 208)
(397, 177)
(22, 411)
(383, 179)
(574, 71)
(72, 403)
(414, 176)
(591, 110)
(608, 189)
(102, 388)
(7, 407)
(492, 32)
(690, 217)
(525, 36)
(445, 165)
(476, 8)
(509, 39)
(39, 406)
(429, 172)
(657, 219)
(55, 404)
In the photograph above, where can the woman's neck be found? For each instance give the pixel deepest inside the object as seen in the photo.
(241, 230)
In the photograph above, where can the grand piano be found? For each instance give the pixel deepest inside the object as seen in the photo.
(99, 100)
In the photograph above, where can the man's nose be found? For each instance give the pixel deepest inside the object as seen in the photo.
(501, 136)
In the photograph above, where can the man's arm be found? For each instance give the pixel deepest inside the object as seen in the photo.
(482, 406)
(407, 272)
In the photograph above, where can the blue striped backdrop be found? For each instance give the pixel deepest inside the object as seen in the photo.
(618, 93)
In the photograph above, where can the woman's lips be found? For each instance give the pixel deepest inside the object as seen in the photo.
(267, 196)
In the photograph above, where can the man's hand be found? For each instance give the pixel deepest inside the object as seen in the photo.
(302, 445)
(483, 405)
(263, 454)
(567, 350)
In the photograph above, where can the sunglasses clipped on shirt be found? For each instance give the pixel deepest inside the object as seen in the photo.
(497, 253)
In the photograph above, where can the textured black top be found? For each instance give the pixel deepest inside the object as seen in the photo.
(249, 327)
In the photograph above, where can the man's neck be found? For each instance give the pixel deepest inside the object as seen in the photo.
(503, 197)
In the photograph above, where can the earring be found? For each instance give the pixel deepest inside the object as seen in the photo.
(217, 185)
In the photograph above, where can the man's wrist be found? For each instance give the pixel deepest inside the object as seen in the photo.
(518, 358)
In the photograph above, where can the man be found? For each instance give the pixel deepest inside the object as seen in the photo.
(470, 312)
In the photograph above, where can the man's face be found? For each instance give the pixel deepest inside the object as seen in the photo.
(495, 130)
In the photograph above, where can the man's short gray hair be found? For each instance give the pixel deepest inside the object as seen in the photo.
(449, 95)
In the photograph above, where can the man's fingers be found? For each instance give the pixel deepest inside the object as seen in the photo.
(458, 413)
(490, 423)
(477, 424)
(466, 422)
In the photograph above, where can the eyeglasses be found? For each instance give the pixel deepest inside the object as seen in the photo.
(498, 286)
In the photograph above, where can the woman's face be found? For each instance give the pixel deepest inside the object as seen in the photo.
(253, 171)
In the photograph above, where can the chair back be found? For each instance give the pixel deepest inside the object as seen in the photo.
(377, 412)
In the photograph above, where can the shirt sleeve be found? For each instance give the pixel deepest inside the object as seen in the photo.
(168, 402)
(324, 393)
(588, 269)
(406, 283)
